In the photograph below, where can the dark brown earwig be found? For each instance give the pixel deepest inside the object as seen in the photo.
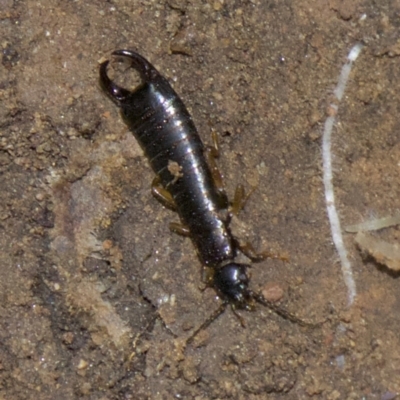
(165, 131)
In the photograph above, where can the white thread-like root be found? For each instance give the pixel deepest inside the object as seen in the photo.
(327, 176)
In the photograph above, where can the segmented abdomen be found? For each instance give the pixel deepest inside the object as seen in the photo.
(165, 130)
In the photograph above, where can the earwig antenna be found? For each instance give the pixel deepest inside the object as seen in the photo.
(220, 310)
(259, 298)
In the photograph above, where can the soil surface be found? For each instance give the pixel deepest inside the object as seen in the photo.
(98, 296)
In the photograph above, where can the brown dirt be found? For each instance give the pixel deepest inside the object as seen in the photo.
(87, 258)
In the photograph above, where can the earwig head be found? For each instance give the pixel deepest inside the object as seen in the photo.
(232, 283)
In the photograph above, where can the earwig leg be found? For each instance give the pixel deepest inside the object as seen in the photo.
(240, 199)
(208, 321)
(239, 317)
(249, 251)
(207, 275)
(178, 228)
(215, 143)
(212, 153)
(162, 195)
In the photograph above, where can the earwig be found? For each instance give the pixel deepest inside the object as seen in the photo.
(165, 130)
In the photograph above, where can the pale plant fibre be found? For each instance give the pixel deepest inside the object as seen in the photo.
(333, 216)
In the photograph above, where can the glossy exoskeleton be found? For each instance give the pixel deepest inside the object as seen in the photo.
(164, 129)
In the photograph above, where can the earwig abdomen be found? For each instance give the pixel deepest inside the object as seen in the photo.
(165, 131)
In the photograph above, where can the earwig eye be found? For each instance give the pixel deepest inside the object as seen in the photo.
(231, 281)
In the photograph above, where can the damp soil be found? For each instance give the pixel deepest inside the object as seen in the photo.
(97, 296)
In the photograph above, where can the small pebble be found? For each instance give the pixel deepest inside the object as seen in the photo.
(82, 364)
(272, 292)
